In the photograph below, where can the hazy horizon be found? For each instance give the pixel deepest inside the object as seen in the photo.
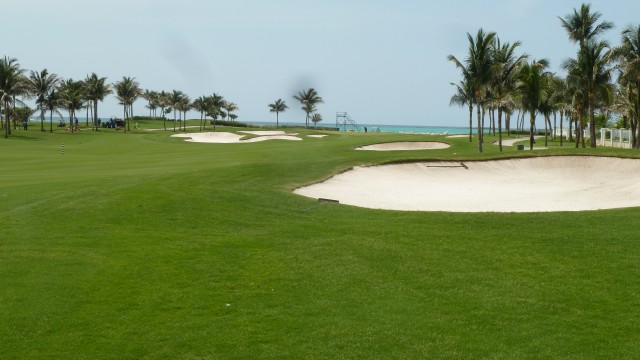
(383, 62)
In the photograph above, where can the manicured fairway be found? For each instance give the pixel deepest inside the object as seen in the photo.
(139, 245)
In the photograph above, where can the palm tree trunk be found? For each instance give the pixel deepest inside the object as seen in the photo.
(51, 121)
(42, 119)
(546, 130)
(637, 116)
(471, 122)
(277, 119)
(561, 129)
(571, 119)
(532, 121)
(479, 128)
(484, 111)
(500, 127)
(95, 114)
(592, 123)
(7, 127)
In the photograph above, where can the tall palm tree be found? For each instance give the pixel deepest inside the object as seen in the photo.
(127, 92)
(464, 96)
(175, 97)
(230, 107)
(96, 89)
(277, 107)
(477, 69)
(529, 86)
(316, 118)
(628, 55)
(591, 72)
(41, 84)
(164, 101)
(215, 104)
(200, 105)
(11, 84)
(308, 99)
(503, 65)
(184, 105)
(72, 95)
(53, 102)
(581, 25)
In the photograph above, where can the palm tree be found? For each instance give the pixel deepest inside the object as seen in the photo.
(11, 84)
(628, 55)
(308, 99)
(592, 74)
(560, 102)
(502, 84)
(127, 92)
(316, 118)
(230, 107)
(277, 107)
(215, 104)
(184, 105)
(477, 70)
(164, 100)
(464, 96)
(96, 89)
(529, 86)
(581, 25)
(40, 85)
(175, 97)
(52, 103)
(72, 96)
(200, 105)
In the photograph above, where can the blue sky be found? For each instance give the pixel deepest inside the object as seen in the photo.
(382, 61)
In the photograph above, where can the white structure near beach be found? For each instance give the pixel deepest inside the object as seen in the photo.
(620, 138)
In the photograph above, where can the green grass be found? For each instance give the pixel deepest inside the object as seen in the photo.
(139, 245)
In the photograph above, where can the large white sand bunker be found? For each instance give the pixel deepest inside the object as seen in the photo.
(405, 145)
(520, 185)
(230, 138)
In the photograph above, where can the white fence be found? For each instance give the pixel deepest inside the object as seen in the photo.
(565, 133)
(620, 138)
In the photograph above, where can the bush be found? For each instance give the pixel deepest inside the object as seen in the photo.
(228, 123)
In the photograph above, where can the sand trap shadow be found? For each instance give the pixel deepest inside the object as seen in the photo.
(406, 145)
(545, 184)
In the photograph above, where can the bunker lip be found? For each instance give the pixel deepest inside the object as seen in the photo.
(405, 145)
(540, 184)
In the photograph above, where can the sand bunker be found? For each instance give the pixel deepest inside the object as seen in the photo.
(316, 136)
(230, 138)
(406, 145)
(571, 183)
(457, 136)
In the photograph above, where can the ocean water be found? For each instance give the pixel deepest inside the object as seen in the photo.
(403, 129)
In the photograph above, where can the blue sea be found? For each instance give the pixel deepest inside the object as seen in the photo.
(403, 129)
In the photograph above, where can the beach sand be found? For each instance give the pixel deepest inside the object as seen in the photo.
(520, 185)
(406, 145)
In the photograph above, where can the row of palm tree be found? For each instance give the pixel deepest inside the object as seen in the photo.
(179, 103)
(53, 94)
(497, 79)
